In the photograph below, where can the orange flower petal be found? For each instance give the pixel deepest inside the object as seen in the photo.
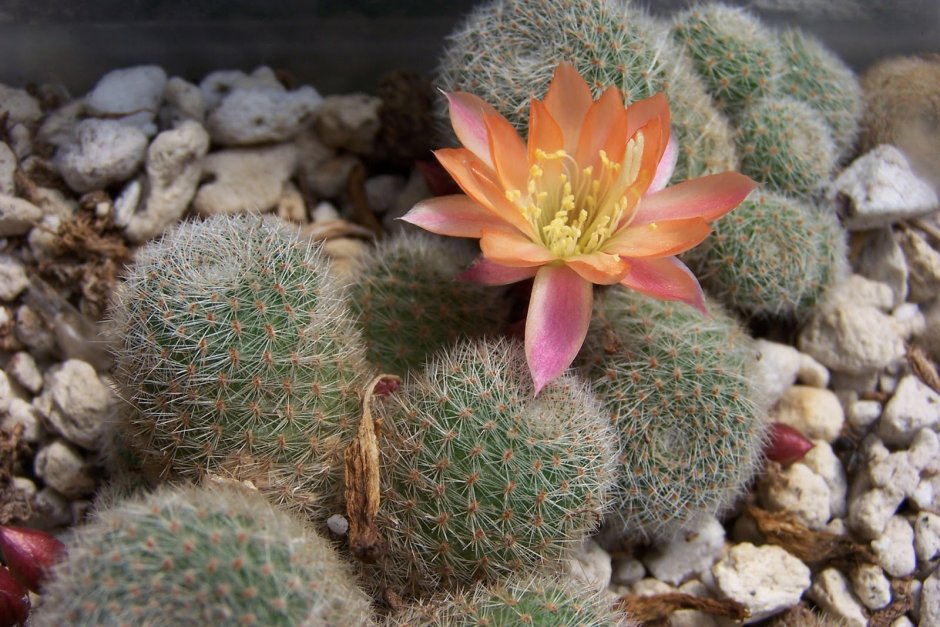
(665, 278)
(568, 99)
(658, 239)
(604, 128)
(466, 116)
(509, 153)
(513, 249)
(708, 197)
(599, 268)
(485, 272)
(478, 182)
(642, 112)
(544, 132)
(456, 216)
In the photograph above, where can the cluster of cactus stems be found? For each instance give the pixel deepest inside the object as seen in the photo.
(243, 356)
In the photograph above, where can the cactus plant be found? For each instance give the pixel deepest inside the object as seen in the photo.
(217, 554)
(410, 303)
(538, 599)
(773, 256)
(480, 477)
(732, 51)
(506, 50)
(674, 384)
(241, 358)
(813, 74)
(785, 144)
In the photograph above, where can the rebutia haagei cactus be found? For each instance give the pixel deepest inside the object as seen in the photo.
(673, 383)
(481, 478)
(241, 358)
(212, 555)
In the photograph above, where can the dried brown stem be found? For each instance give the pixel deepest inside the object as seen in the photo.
(656, 608)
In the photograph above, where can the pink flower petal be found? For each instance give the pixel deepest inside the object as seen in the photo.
(667, 165)
(659, 239)
(557, 322)
(456, 216)
(599, 268)
(708, 197)
(513, 249)
(485, 272)
(466, 116)
(666, 278)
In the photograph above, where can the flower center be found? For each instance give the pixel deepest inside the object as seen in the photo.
(573, 210)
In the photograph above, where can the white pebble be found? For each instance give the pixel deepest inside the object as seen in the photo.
(590, 564)
(925, 451)
(913, 407)
(871, 586)
(688, 553)
(823, 461)
(62, 467)
(324, 212)
(863, 414)
(814, 412)
(925, 496)
(128, 91)
(103, 152)
(870, 512)
(22, 367)
(894, 550)
(927, 538)
(895, 472)
(337, 524)
(930, 600)
(23, 413)
(13, 279)
(765, 579)
(798, 490)
(627, 571)
(832, 593)
(76, 403)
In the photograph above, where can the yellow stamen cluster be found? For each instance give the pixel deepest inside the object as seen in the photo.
(572, 211)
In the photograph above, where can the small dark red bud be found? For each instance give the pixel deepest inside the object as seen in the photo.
(786, 445)
(29, 554)
(438, 180)
(14, 600)
(386, 386)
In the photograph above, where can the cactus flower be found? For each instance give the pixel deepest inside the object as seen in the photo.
(583, 202)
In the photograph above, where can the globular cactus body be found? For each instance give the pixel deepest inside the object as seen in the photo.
(506, 50)
(541, 599)
(731, 50)
(480, 477)
(674, 383)
(212, 555)
(773, 256)
(816, 76)
(410, 303)
(241, 358)
(785, 144)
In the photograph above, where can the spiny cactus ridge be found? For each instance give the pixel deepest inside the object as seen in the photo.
(674, 383)
(773, 256)
(506, 51)
(209, 555)
(410, 303)
(480, 477)
(539, 599)
(240, 356)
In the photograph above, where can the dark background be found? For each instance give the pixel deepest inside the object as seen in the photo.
(340, 46)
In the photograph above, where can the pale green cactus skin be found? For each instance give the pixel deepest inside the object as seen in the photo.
(731, 50)
(813, 74)
(212, 555)
(675, 385)
(240, 357)
(786, 144)
(772, 257)
(539, 599)
(480, 478)
(410, 302)
(506, 51)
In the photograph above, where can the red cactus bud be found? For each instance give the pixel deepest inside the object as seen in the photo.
(29, 554)
(439, 182)
(786, 445)
(14, 600)
(387, 385)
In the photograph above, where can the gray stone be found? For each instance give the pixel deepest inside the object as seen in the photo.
(349, 122)
(923, 262)
(254, 116)
(103, 152)
(17, 216)
(128, 91)
(174, 166)
(914, 406)
(63, 468)
(382, 190)
(13, 279)
(217, 85)
(246, 179)
(894, 550)
(184, 101)
(832, 593)
(627, 571)
(688, 553)
(765, 579)
(8, 165)
(23, 413)
(880, 259)
(24, 370)
(77, 404)
(338, 525)
(878, 189)
(19, 106)
(591, 565)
